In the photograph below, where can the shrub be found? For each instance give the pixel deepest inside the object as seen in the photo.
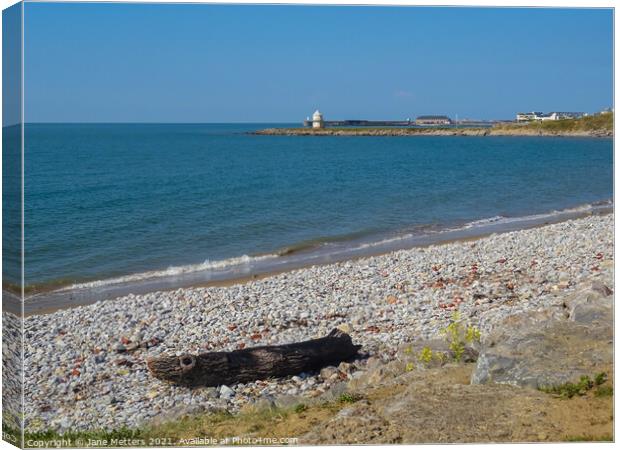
(440, 357)
(604, 391)
(347, 397)
(453, 333)
(426, 355)
(300, 408)
(569, 390)
(600, 378)
(472, 335)
(458, 334)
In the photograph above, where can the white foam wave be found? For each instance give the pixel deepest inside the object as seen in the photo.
(383, 242)
(173, 271)
(246, 260)
(554, 213)
(486, 221)
(491, 221)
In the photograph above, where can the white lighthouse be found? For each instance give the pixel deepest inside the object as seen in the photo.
(317, 119)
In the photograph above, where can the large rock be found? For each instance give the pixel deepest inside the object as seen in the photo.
(551, 346)
(591, 305)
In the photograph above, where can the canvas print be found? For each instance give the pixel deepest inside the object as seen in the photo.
(229, 224)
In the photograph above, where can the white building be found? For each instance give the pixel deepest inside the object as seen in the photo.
(433, 120)
(317, 119)
(529, 116)
(535, 115)
(565, 115)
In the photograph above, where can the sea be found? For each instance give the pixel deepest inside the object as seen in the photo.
(113, 209)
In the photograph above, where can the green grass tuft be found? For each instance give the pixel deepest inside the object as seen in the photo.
(300, 408)
(569, 390)
(590, 438)
(346, 397)
(600, 378)
(604, 391)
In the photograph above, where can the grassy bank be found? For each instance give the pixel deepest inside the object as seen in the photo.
(251, 426)
(585, 416)
(597, 123)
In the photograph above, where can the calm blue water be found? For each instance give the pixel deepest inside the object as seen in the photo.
(110, 200)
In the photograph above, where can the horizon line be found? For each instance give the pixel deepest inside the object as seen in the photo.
(205, 123)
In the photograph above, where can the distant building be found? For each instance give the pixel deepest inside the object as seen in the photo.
(529, 116)
(433, 120)
(317, 119)
(564, 115)
(607, 111)
(556, 115)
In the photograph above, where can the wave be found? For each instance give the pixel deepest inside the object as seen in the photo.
(494, 221)
(486, 221)
(585, 208)
(174, 271)
(387, 241)
(332, 246)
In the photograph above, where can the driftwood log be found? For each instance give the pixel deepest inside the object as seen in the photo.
(258, 363)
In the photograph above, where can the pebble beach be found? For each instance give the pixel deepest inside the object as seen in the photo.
(85, 367)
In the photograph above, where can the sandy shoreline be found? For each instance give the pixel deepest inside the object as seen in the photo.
(77, 379)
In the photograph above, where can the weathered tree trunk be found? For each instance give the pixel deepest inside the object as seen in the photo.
(258, 363)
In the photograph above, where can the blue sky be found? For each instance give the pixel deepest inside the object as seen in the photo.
(11, 65)
(225, 63)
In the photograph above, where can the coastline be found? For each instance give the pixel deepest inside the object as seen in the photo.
(383, 301)
(405, 132)
(265, 266)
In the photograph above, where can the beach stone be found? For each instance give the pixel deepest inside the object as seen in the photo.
(345, 367)
(226, 392)
(344, 327)
(375, 376)
(64, 423)
(335, 391)
(328, 372)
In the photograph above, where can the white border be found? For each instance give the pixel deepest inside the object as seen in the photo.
(462, 3)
